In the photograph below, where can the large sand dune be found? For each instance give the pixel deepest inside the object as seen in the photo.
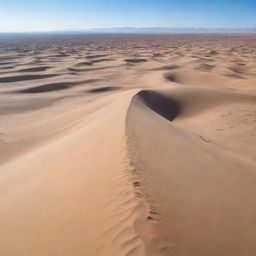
(128, 145)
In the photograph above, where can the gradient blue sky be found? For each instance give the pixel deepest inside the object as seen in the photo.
(46, 15)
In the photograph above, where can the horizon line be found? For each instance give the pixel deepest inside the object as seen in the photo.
(139, 29)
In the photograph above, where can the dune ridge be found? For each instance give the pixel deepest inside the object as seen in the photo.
(133, 219)
(227, 180)
(122, 208)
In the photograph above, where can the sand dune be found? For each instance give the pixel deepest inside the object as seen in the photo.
(128, 145)
(56, 86)
(10, 79)
(203, 200)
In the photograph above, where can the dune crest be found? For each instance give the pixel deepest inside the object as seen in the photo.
(195, 188)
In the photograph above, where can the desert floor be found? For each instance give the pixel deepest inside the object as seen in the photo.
(127, 145)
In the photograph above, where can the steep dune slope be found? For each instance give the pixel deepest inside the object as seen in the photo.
(80, 199)
(202, 196)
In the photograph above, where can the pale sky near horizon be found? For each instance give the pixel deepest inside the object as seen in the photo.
(47, 15)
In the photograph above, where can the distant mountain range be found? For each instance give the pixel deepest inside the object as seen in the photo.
(153, 30)
(159, 30)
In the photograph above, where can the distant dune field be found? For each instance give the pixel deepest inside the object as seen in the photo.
(128, 145)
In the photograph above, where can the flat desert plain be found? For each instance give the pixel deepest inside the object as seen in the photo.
(128, 145)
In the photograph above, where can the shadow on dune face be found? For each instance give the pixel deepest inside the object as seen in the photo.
(7, 67)
(171, 77)
(47, 88)
(166, 67)
(7, 63)
(55, 86)
(205, 67)
(135, 60)
(101, 60)
(104, 89)
(235, 75)
(10, 79)
(181, 102)
(160, 104)
(35, 69)
(85, 63)
(88, 69)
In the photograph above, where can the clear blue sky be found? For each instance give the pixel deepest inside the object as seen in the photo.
(45, 15)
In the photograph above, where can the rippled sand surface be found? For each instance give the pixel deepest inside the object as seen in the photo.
(127, 145)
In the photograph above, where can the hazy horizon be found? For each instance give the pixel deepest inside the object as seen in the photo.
(143, 30)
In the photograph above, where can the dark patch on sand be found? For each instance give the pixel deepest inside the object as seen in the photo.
(56, 86)
(35, 69)
(135, 60)
(104, 89)
(11, 79)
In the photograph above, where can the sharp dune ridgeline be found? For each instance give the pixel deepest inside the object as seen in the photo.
(133, 145)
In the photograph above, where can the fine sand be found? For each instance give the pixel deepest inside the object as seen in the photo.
(128, 145)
